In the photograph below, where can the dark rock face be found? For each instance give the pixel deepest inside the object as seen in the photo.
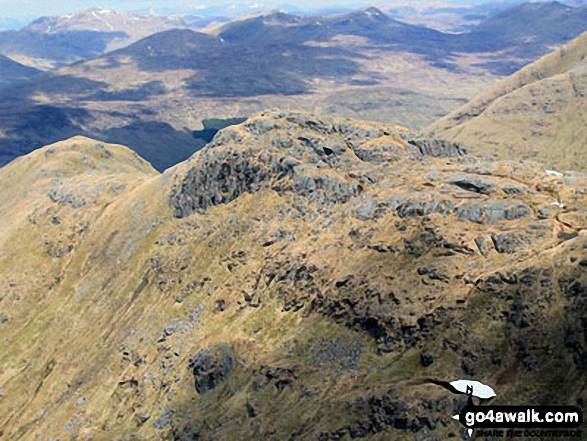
(211, 367)
(388, 411)
(426, 360)
(218, 182)
(314, 158)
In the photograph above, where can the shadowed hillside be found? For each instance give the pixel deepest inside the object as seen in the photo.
(295, 279)
(12, 72)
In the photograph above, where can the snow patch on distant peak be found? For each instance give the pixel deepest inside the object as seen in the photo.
(372, 12)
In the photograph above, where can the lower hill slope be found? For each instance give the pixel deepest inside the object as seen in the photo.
(540, 112)
(294, 279)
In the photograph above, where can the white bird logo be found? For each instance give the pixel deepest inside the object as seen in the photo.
(472, 388)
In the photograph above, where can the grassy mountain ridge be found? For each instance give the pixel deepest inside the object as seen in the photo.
(290, 280)
(538, 112)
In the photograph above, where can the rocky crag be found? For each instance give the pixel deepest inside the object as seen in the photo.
(289, 281)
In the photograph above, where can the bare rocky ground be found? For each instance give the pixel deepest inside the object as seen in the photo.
(295, 279)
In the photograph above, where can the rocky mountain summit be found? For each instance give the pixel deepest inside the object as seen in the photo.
(294, 279)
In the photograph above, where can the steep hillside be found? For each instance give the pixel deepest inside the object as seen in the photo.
(539, 112)
(295, 279)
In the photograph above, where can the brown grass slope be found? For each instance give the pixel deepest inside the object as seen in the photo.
(288, 281)
(539, 112)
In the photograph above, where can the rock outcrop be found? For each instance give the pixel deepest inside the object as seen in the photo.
(317, 163)
(211, 367)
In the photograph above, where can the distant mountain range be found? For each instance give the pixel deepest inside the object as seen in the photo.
(517, 35)
(538, 113)
(444, 16)
(11, 23)
(135, 26)
(153, 94)
(526, 29)
(54, 41)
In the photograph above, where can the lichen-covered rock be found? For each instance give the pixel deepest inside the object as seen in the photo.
(492, 212)
(366, 209)
(422, 207)
(484, 245)
(509, 243)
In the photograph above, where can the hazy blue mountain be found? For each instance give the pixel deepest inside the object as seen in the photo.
(12, 72)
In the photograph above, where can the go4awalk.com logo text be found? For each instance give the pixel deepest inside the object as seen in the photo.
(541, 422)
(553, 422)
